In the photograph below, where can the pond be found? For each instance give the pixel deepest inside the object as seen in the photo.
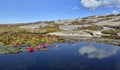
(80, 55)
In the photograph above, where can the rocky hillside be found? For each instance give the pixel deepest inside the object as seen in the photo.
(109, 21)
(91, 26)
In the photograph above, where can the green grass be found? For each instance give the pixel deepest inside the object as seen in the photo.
(15, 28)
(51, 29)
(111, 37)
(112, 32)
(89, 28)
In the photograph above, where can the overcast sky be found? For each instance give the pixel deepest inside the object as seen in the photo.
(16, 11)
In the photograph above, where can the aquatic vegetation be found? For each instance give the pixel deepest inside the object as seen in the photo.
(39, 47)
(44, 45)
(13, 42)
(31, 48)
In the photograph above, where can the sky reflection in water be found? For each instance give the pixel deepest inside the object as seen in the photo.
(98, 52)
(67, 56)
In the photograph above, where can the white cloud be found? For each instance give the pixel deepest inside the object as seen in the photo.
(115, 12)
(75, 8)
(98, 52)
(93, 4)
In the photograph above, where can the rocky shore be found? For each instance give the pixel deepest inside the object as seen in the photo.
(99, 40)
(87, 37)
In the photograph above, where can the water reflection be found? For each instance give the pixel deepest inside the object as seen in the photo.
(63, 56)
(56, 47)
(98, 52)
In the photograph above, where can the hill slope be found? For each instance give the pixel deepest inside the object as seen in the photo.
(91, 26)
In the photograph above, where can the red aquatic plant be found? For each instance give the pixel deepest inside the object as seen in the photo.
(44, 45)
(39, 46)
(14, 42)
(31, 48)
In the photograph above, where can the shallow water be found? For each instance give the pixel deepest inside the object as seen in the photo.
(80, 55)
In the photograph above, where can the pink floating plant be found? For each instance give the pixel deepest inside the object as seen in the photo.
(15, 43)
(31, 48)
(39, 47)
(44, 45)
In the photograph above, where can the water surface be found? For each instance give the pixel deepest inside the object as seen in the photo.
(80, 55)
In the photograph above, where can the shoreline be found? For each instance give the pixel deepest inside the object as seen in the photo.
(89, 38)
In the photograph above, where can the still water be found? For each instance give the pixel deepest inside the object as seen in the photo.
(80, 55)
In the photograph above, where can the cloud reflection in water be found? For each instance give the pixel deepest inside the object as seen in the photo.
(98, 52)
